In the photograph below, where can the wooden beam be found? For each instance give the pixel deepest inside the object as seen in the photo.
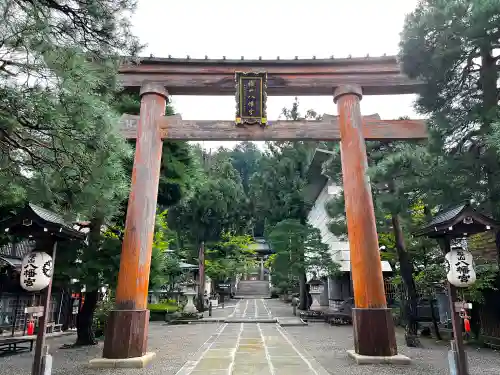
(327, 129)
(376, 75)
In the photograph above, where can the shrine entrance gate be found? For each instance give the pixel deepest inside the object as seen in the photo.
(346, 80)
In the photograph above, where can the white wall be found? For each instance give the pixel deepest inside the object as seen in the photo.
(318, 218)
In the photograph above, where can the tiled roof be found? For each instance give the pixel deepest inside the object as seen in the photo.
(49, 216)
(445, 216)
(21, 249)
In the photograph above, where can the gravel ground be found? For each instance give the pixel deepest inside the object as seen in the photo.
(173, 345)
(328, 344)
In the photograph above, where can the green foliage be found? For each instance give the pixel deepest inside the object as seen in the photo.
(97, 264)
(452, 47)
(58, 127)
(277, 193)
(245, 158)
(229, 257)
(161, 266)
(216, 205)
(277, 189)
(176, 171)
(163, 307)
(101, 315)
(486, 276)
(293, 113)
(93, 265)
(298, 249)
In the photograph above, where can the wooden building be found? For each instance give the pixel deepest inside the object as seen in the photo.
(25, 228)
(319, 191)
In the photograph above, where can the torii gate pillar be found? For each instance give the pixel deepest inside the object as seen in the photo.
(374, 333)
(127, 329)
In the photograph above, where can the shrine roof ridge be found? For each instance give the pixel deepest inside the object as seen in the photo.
(260, 61)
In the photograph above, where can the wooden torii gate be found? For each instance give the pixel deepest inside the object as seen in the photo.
(346, 80)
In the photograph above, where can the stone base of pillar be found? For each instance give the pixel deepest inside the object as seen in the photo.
(397, 359)
(135, 362)
(126, 334)
(374, 333)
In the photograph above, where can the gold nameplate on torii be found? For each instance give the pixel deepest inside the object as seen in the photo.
(251, 98)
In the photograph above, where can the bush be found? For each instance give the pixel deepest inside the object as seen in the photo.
(163, 307)
(159, 311)
(101, 316)
(275, 293)
(169, 301)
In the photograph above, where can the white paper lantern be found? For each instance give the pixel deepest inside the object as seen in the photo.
(461, 272)
(36, 271)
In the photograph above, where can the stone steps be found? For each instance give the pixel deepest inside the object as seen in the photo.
(253, 289)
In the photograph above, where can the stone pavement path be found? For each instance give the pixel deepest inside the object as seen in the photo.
(251, 349)
(251, 308)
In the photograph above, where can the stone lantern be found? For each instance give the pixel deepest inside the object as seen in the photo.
(189, 291)
(316, 288)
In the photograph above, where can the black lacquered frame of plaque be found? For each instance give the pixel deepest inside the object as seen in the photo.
(251, 97)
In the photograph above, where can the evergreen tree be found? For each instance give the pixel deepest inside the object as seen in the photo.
(277, 189)
(452, 47)
(298, 249)
(228, 257)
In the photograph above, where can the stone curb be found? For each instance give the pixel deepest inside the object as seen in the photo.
(224, 320)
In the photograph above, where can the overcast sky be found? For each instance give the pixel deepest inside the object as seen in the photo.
(282, 28)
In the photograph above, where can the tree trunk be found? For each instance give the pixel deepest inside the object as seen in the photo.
(434, 319)
(303, 300)
(85, 333)
(200, 305)
(488, 82)
(303, 305)
(406, 271)
(67, 309)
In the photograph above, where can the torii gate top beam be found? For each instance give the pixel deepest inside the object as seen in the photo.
(298, 77)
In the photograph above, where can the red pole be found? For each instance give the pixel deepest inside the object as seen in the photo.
(374, 333)
(127, 328)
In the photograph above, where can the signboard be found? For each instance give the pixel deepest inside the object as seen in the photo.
(459, 306)
(33, 310)
(251, 98)
(224, 286)
(214, 302)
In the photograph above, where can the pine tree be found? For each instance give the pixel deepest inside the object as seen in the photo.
(452, 47)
